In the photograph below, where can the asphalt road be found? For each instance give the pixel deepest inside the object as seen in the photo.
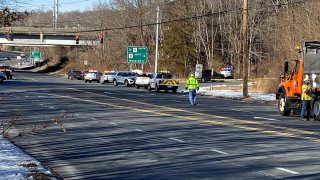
(128, 133)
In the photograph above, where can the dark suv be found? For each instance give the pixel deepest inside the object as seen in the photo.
(74, 74)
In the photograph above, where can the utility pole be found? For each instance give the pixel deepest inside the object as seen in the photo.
(55, 12)
(245, 47)
(157, 42)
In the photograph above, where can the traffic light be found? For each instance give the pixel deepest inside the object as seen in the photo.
(9, 35)
(77, 37)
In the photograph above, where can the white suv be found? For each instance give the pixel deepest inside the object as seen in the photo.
(107, 77)
(92, 76)
(124, 77)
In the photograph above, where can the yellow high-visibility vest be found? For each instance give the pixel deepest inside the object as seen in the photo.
(305, 96)
(192, 83)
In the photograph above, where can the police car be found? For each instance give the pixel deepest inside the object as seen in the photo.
(226, 72)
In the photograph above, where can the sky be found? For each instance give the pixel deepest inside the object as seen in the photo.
(45, 5)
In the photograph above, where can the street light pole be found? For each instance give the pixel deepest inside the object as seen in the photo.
(157, 42)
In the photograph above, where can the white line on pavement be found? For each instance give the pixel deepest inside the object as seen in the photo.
(241, 110)
(175, 139)
(287, 170)
(93, 119)
(221, 152)
(270, 119)
(115, 124)
(139, 130)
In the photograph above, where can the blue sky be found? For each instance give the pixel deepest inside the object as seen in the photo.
(65, 5)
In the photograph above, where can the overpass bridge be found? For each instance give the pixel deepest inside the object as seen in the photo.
(29, 36)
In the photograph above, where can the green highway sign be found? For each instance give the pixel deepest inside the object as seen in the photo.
(137, 54)
(35, 55)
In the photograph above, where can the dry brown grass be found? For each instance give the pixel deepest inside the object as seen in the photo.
(256, 85)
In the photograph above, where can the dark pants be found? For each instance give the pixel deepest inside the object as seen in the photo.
(306, 106)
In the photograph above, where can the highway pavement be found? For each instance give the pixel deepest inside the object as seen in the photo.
(128, 133)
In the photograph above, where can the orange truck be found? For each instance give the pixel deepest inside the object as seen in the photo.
(290, 88)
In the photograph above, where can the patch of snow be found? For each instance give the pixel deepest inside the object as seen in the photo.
(12, 160)
(233, 94)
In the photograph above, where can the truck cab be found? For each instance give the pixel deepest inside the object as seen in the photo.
(163, 81)
(290, 88)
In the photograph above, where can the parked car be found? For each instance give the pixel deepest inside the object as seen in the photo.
(92, 76)
(83, 74)
(226, 72)
(124, 77)
(2, 76)
(7, 70)
(107, 77)
(143, 80)
(74, 74)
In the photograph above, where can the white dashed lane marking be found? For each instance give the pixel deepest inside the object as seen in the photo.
(287, 170)
(139, 130)
(221, 152)
(269, 119)
(175, 139)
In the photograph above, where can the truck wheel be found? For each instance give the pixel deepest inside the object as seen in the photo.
(85, 81)
(115, 83)
(315, 108)
(149, 87)
(174, 90)
(157, 88)
(137, 86)
(126, 84)
(283, 106)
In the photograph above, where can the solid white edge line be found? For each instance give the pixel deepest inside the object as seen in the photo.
(139, 130)
(287, 170)
(221, 152)
(270, 119)
(115, 124)
(175, 139)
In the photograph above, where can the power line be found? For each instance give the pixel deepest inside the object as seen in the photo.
(237, 10)
(179, 19)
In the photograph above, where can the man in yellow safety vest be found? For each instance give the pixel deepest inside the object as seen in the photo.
(192, 85)
(306, 99)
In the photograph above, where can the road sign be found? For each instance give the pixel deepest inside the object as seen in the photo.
(35, 55)
(137, 54)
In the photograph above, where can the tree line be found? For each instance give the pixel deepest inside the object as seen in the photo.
(191, 32)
